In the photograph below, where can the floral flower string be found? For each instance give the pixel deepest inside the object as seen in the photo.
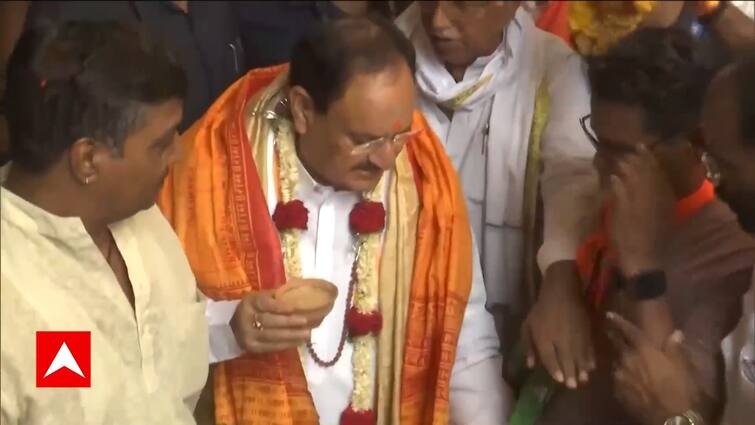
(597, 25)
(362, 319)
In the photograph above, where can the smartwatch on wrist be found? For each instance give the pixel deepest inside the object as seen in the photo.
(689, 417)
(648, 285)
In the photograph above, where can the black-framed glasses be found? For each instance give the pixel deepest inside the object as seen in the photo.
(611, 148)
(587, 128)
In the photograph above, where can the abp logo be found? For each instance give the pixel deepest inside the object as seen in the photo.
(64, 359)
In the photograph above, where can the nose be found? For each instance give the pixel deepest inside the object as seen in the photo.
(435, 15)
(384, 157)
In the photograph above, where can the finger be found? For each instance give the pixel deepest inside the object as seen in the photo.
(619, 192)
(286, 321)
(620, 375)
(266, 303)
(628, 330)
(549, 360)
(628, 362)
(568, 365)
(627, 387)
(618, 341)
(529, 349)
(584, 359)
(645, 155)
(623, 168)
(291, 336)
(673, 345)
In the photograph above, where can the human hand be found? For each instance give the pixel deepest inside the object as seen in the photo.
(643, 204)
(263, 324)
(557, 330)
(653, 383)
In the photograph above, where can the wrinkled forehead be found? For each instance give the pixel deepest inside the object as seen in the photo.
(380, 103)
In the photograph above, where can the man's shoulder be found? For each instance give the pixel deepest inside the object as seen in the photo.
(554, 51)
(714, 238)
(162, 251)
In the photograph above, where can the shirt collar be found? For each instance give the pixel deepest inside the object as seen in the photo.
(504, 49)
(34, 219)
(309, 188)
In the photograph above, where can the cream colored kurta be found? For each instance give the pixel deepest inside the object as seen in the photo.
(148, 365)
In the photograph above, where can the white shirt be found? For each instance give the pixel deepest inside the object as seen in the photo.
(148, 364)
(478, 394)
(568, 178)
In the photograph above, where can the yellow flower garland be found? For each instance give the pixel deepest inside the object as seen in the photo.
(597, 25)
(366, 290)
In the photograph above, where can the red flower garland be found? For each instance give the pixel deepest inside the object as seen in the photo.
(291, 215)
(352, 417)
(361, 324)
(367, 217)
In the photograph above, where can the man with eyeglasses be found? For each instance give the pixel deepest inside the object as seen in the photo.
(654, 378)
(647, 93)
(325, 170)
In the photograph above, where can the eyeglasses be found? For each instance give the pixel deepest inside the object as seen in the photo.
(397, 141)
(712, 169)
(587, 128)
(611, 148)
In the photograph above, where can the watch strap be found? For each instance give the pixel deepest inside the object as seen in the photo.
(648, 285)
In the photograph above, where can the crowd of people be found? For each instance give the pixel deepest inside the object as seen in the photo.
(361, 213)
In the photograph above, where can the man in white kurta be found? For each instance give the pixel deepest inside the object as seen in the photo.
(148, 364)
(485, 121)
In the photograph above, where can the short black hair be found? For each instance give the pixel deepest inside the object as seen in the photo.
(77, 80)
(328, 56)
(743, 72)
(659, 70)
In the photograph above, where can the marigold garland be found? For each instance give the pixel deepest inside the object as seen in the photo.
(597, 25)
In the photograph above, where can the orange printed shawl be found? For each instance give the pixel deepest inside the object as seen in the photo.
(215, 202)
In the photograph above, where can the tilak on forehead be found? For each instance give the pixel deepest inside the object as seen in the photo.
(397, 126)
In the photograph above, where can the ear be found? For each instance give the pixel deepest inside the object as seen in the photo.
(302, 109)
(86, 158)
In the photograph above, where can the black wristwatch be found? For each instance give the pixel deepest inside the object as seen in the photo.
(648, 285)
